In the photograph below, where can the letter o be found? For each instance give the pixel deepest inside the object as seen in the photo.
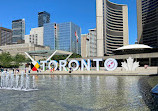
(110, 64)
(77, 64)
(55, 63)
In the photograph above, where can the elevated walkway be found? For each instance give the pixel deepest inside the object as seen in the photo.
(47, 53)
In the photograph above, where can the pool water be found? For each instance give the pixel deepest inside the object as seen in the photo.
(83, 93)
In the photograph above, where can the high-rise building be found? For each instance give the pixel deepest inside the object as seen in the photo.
(147, 22)
(89, 44)
(35, 36)
(112, 26)
(49, 35)
(43, 17)
(5, 36)
(18, 28)
(63, 36)
(84, 45)
(92, 43)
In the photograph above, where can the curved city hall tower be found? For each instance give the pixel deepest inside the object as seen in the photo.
(147, 22)
(112, 26)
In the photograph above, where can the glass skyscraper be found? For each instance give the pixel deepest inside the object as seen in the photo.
(49, 35)
(63, 36)
(18, 28)
(43, 17)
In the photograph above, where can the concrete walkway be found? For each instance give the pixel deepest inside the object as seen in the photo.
(141, 71)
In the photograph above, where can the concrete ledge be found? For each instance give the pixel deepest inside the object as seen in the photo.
(106, 73)
(141, 71)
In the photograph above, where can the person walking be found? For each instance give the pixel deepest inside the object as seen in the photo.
(51, 70)
(2, 69)
(13, 70)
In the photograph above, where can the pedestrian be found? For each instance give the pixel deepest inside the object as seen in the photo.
(1, 69)
(17, 71)
(13, 70)
(25, 69)
(70, 70)
(39, 70)
(51, 70)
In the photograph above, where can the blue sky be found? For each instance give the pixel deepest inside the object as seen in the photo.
(81, 12)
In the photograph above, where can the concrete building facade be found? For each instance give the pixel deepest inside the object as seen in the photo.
(18, 28)
(147, 22)
(43, 17)
(5, 36)
(35, 36)
(22, 48)
(84, 45)
(63, 36)
(112, 26)
(92, 43)
(89, 44)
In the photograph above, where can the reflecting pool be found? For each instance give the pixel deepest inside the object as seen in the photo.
(83, 93)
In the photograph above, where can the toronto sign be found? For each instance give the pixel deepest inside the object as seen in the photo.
(110, 64)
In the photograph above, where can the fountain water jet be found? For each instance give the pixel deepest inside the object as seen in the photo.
(17, 80)
(22, 80)
(12, 82)
(27, 81)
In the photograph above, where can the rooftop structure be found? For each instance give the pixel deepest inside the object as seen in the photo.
(134, 49)
(46, 53)
(134, 46)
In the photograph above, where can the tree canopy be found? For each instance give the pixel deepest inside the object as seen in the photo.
(62, 57)
(19, 58)
(6, 60)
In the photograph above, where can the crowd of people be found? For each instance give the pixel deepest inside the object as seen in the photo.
(14, 70)
(17, 70)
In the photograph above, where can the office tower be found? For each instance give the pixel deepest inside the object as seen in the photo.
(147, 22)
(69, 37)
(5, 36)
(43, 17)
(92, 43)
(63, 36)
(89, 44)
(18, 28)
(49, 35)
(35, 36)
(84, 45)
(112, 26)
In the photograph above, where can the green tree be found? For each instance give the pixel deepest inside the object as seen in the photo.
(62, 57)
(74, 55)
(58, 57)
(19, 58)
(28, 60)
(5, 59)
